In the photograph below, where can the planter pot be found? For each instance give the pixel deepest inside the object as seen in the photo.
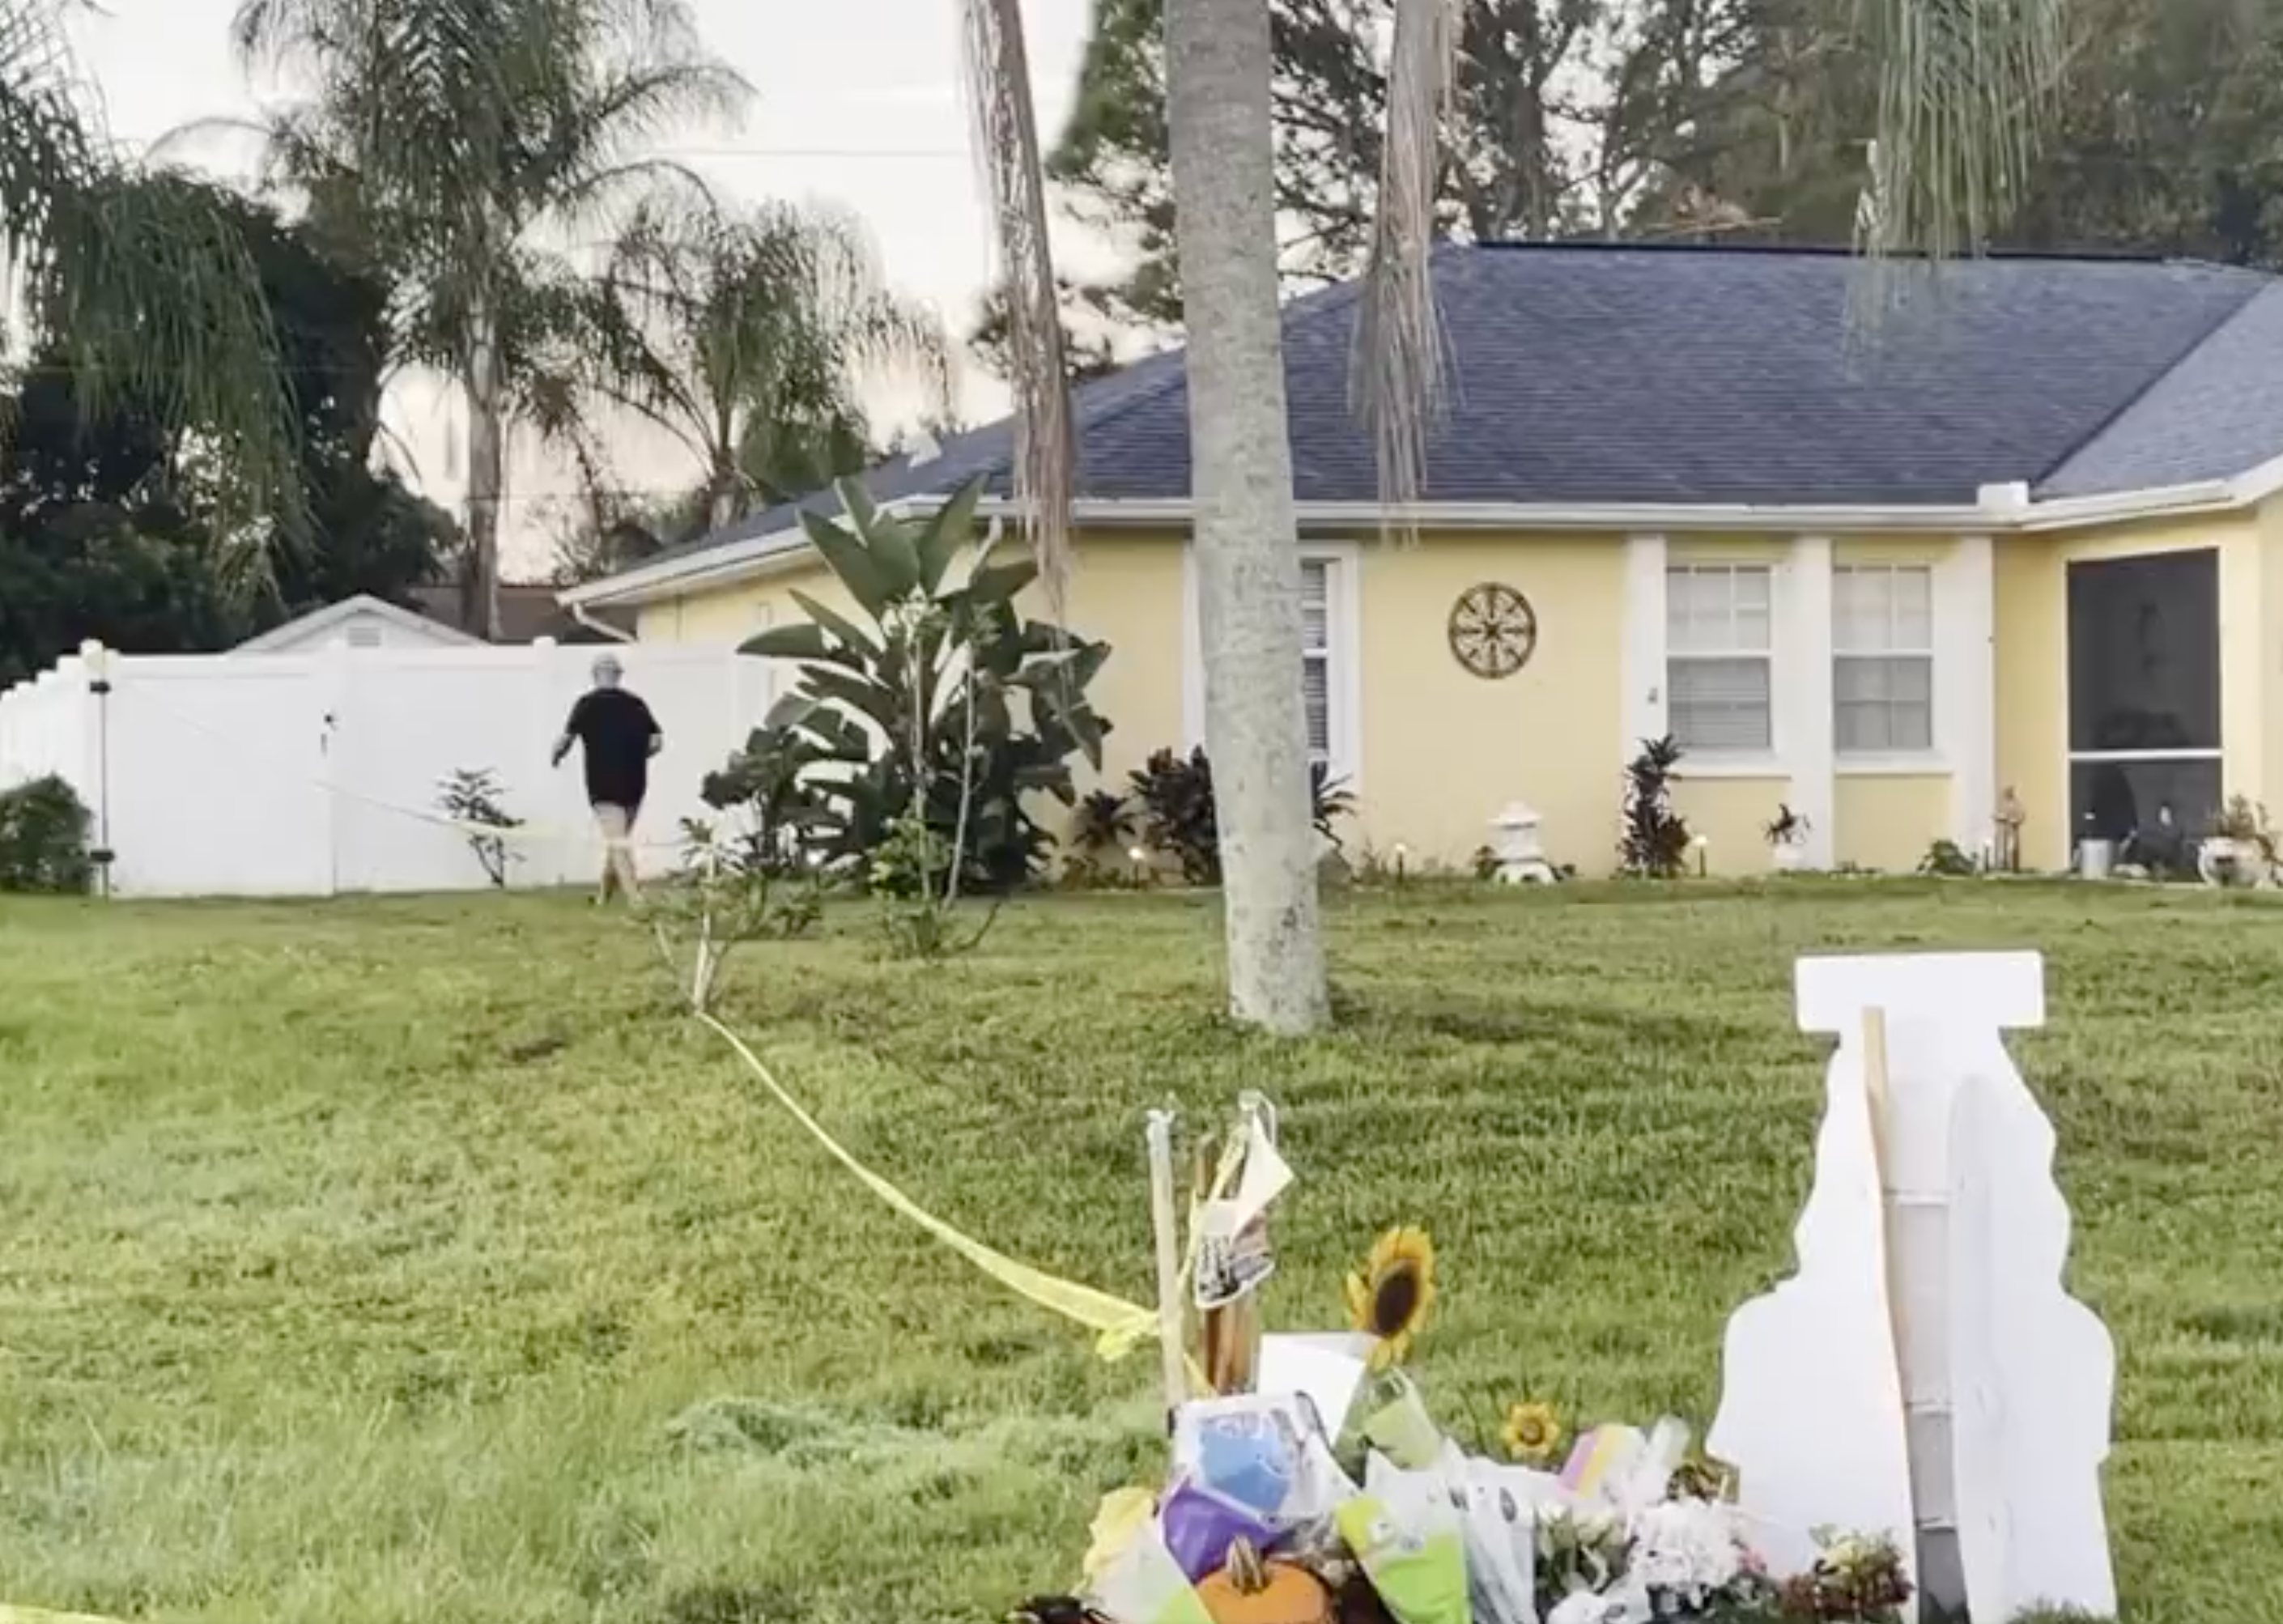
(1789, 859)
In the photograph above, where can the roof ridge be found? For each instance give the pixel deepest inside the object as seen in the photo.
(2257, 285)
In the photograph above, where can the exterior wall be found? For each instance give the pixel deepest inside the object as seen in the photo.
(2032, 658)
(1434, 752)
(1729, 815)
(1886, 822)
(1443, 752)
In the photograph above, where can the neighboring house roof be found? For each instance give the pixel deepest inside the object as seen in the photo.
(1660, 377)
(317, 623)
(529, 612)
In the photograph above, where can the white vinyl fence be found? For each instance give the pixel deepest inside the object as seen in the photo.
(304, 775)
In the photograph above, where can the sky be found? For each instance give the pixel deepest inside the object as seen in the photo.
(858, 103)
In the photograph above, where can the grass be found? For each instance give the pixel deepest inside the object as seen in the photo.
(413, 1262)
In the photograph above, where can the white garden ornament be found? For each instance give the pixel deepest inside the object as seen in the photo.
(1521, 858)
(1925, 1374)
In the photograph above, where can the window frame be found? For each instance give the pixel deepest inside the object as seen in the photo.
(1927, 757)
(1342, 655)
(1752, 756)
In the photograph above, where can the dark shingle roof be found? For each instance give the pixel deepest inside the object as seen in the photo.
(2217, 413)
(529, 612)
(1626, 374)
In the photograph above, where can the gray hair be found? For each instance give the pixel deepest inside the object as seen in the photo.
(607, 670)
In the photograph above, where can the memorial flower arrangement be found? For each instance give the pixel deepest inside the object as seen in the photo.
(1309, 1483)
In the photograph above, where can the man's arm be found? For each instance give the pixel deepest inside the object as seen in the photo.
(570, 733)
(657, 733)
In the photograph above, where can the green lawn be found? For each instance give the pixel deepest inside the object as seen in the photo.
(414, 1261)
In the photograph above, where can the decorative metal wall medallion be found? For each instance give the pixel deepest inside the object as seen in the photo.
(1494, 630)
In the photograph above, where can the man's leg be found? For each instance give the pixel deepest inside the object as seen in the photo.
(613, 824)
(630, 878)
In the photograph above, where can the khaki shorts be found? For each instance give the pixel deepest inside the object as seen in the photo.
(616, 823)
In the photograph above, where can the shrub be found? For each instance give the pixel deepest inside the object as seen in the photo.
(1948, 859)
(930, 701)
(44, 834)
(1181, 818)
(1654, 845)
(1102, 831)
(472, 796)
(720, 900)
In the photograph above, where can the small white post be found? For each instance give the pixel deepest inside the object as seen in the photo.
(1165, 1233)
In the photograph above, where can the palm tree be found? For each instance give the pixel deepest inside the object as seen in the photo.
(144, 281)
(463, 144)
(749, 339)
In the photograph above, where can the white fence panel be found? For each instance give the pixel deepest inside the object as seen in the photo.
(44, 728)
(312, 773)
(215, 776)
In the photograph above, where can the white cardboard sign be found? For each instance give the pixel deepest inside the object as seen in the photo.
(1924, 1374)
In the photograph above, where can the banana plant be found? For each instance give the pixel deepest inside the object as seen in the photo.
(933, 694)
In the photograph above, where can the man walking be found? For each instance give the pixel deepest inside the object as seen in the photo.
(620, 736)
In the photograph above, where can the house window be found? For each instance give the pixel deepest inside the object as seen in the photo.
(1718, 677)
(1316, 654)
(1882, 655)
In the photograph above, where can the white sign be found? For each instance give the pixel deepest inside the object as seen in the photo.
(1924, 1374)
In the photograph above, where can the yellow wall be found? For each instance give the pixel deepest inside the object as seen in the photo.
(2032, 658)
(1730, 815)
(1444, 750)
(1886, 821)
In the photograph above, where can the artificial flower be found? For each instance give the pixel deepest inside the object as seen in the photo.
(1389, 1296)
(1532, 1434)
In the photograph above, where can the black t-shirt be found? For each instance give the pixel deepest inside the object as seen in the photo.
(616, 729)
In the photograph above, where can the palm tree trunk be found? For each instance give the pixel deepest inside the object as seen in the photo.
(487, 479)
(1219, 112)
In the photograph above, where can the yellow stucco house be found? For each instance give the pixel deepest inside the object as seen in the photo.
(2024, 533)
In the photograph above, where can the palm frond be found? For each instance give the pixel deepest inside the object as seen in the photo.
(1966, 91)
(998, 74)
(1396, 383)
(143, 280)
(754, 332)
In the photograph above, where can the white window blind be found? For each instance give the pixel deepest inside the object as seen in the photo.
(1718, 683)
(1882, 659)
(1316, 654)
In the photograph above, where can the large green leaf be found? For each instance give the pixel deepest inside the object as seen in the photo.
(862, 694)
(850, 559)
(952, 528)
(895, 549)
(788, 642)
(849, 633)
(857, 498)
(996, 584)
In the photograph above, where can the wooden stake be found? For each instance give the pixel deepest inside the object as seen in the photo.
(1877, 1094)
(1165, 1233)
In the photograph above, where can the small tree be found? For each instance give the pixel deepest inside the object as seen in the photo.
(1654, 845)
(470, 798)
(932, 701)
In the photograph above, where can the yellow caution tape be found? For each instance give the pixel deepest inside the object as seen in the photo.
(1118, 1325)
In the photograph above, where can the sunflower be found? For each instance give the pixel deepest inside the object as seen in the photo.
(1532, 1433)
(1389, 1296)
